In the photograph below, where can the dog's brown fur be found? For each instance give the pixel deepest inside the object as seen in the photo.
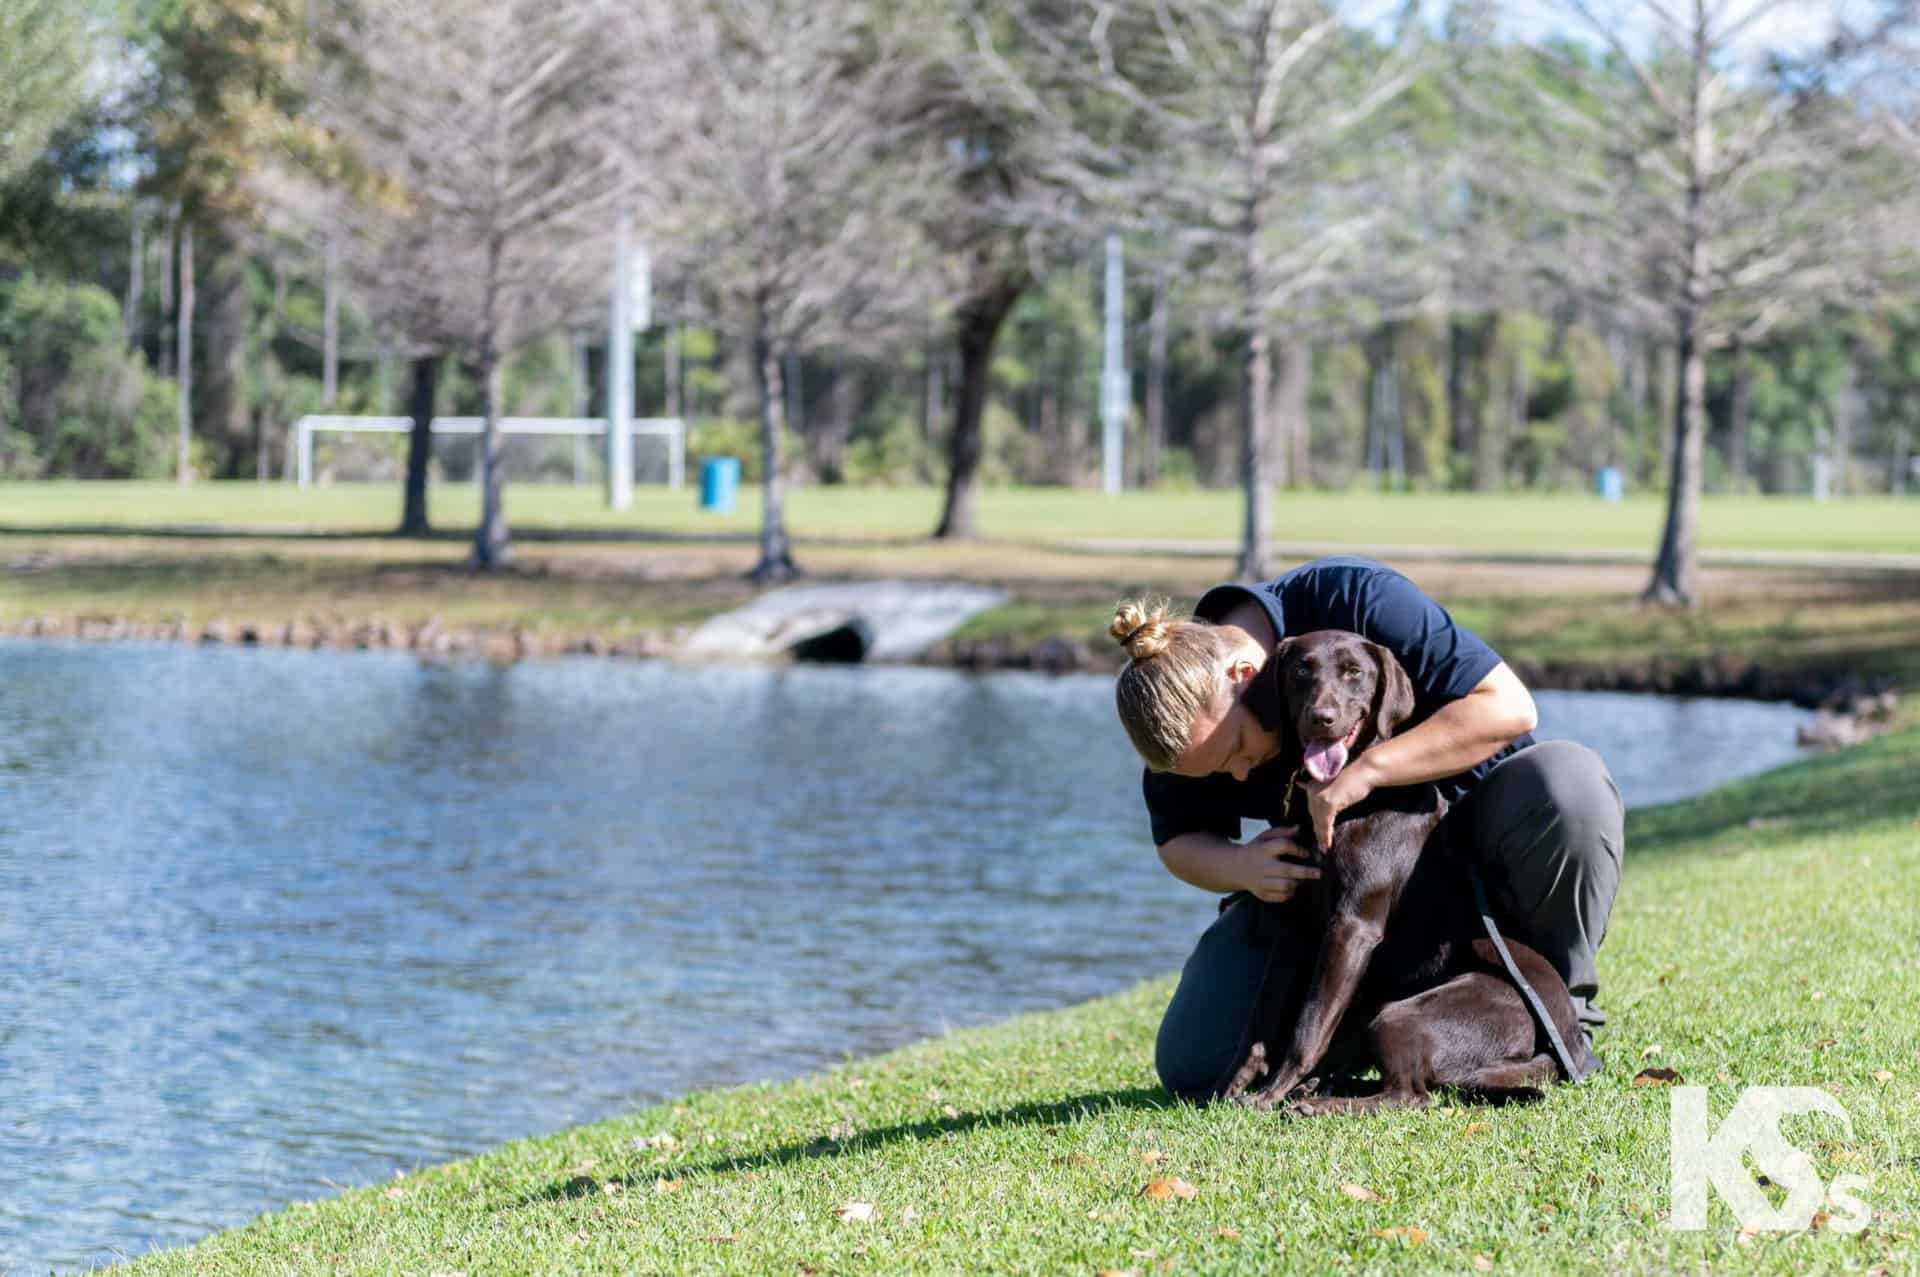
(1440, 1009)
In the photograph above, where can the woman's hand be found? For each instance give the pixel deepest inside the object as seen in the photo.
(1275, 866)
(1326, 802)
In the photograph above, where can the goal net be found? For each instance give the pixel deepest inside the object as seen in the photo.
(532, 449)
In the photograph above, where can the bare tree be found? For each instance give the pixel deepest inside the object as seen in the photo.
(1253, 132)
(793, 178)
(483, 123)
(1710, 195)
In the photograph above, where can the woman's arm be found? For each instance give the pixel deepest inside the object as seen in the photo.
(1459, 735)
(1270, 864)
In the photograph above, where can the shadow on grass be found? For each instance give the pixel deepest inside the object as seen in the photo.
(1877, 781)
(1049, 1113)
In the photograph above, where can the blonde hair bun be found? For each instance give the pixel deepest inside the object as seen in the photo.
(1142, 627)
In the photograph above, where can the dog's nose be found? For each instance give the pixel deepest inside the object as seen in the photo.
(1323, 717)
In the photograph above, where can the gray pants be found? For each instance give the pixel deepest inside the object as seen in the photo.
(1546, 829)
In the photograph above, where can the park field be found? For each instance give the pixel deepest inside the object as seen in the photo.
(1791, 586)
(1509, 523)
(1766, 934)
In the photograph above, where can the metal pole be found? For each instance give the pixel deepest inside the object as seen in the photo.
(1114, 385)
(620, 373)
(677, 456)
(306, 452)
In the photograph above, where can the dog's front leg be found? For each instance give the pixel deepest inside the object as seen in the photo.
(1349, 944)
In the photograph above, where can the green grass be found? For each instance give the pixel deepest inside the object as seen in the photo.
(1768, 933)
(1509, 522)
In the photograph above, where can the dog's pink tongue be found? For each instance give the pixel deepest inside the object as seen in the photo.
(1325, 758)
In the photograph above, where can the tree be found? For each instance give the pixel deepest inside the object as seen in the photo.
(793, 183)
(218, 98)
(1254, 132)
(1710, 196)
(484, 225)
(45, 48)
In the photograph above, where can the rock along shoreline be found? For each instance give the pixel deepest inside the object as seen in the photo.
(1838, 694)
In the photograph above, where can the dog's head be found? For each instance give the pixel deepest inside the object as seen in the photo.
(1342, 694)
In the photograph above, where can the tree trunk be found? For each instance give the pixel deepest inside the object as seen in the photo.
(672, 358)
(1676, 570)
(1739, 412)
(1292, 360)
(1255, 530)
(830, 435)
(413, 515)
(136, 281)
(776, 555)
(935, 396)
(1845, 408)
(1157, 339)
(1897, 474)
(330, 326)
(976, 328)
(226, 427)
(167, 318)
(183, 468)
(1488, 419)
(490, 545)
(1459, 403)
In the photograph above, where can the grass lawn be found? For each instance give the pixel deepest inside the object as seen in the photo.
(1488, 522)
(1768, 933)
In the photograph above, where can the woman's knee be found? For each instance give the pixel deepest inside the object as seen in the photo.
(1582, 792)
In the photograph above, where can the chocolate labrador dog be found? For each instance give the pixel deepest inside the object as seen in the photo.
(1404, 950)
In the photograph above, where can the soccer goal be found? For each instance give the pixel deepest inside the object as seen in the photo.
(532, 447)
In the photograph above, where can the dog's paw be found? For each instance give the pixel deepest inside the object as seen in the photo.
(1248, 1073)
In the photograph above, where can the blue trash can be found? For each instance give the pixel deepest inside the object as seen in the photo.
(719, 484)
(1610, 483)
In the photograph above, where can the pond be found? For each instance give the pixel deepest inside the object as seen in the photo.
(276, 922)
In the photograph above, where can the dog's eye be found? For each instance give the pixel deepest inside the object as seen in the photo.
(1351, 672)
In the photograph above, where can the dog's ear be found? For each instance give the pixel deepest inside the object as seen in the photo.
(1393, 693)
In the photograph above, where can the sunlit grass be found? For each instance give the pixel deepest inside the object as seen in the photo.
(1510, 522)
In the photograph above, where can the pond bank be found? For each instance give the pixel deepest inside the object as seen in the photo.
(1837, 689)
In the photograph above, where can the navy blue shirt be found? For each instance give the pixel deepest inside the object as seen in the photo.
(1443, 660)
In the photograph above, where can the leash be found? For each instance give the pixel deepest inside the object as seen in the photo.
(1532, 999)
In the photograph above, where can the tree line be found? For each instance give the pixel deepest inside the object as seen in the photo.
(1364, 243)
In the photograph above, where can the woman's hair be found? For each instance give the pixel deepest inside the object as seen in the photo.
(1176, 668)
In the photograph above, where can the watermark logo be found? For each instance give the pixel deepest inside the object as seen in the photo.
(1701, 1157)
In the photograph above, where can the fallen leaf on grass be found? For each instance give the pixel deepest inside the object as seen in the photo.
(1656, 1077)
(728, 1238)
(1159, 1190)
(1153, 1157)
(949, 1110)
(1883, 1075)
(855, 1212)
(1823, 1044)
(394, 1194)
(1651, 1048)
(1412, 1234)
(662, 1140)
(1116, 1272)
(666, 1185)
(1360, 1193)
(1143, 1254)
(1474, 1128)
(1228, 1234)
(1483, 1263)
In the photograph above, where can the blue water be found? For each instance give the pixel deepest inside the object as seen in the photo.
(277, 922)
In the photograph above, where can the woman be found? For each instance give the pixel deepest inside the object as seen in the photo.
(1543, 819)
